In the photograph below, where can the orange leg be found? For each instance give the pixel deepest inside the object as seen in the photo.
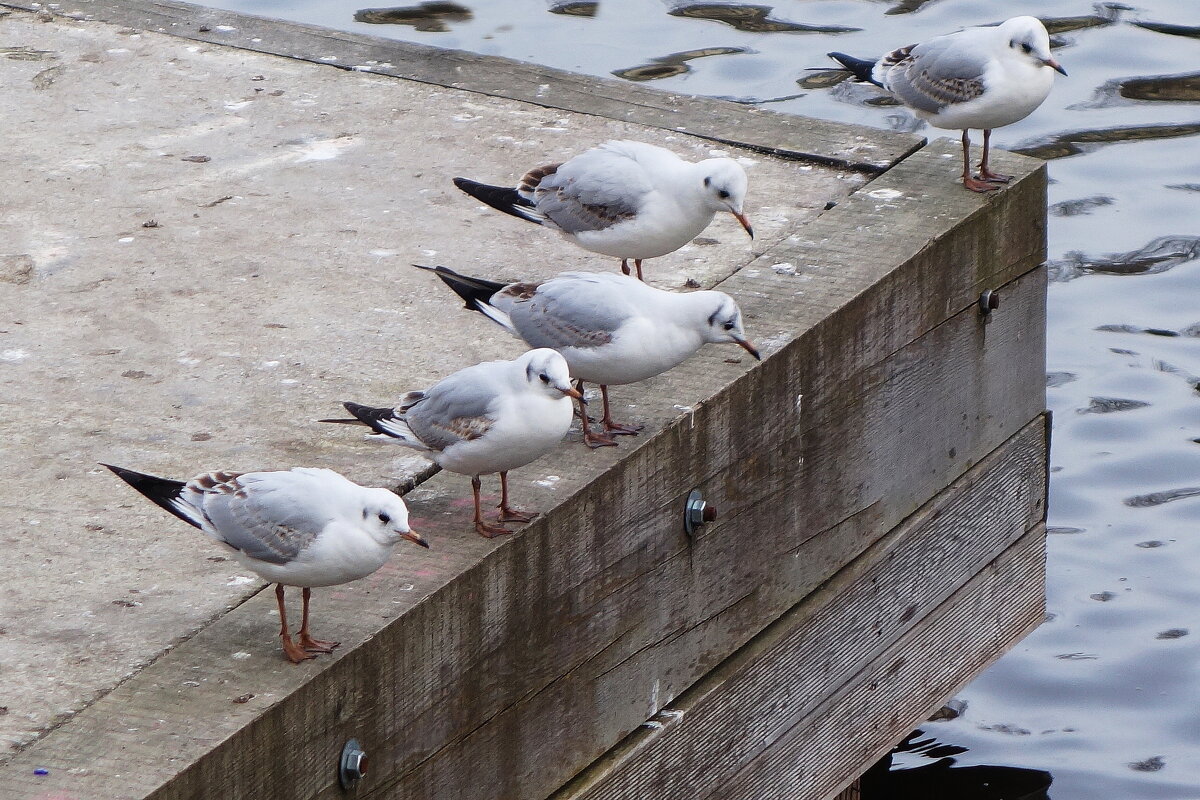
(984, 172)
(972, 183)
(624, 266)
(592, 440)
(615, 428)
(507, 512)
(637, 262)
(293, 651)
(310, 644)
(481, 527)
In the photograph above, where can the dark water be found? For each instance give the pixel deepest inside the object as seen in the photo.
(1105, 695)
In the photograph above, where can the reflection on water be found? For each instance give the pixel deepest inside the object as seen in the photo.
(428, 17)
(752, 19)
(1174, 88)
(1159, 255)
(672, 65)
(574, 9)
(1072, 143)
(1157, 499)
(1192, 31)
(943, 780)
(1056, 25)
(1104, 693)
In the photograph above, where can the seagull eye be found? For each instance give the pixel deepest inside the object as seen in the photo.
(384, 518)
(724, 195)
(1027, 47)
(707, 180)
(545, 378)
(728, 326)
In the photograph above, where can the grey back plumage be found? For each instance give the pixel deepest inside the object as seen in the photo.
(269, 516)
(571, 310)
(593, 191)
(453, 410)
(936, 74)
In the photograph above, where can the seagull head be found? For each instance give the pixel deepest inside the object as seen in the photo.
(725, 185)
(1028, 37)
(546, 371)
(386, 517)
(724, 321)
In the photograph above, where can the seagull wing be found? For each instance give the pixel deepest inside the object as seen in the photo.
(269, 516)
(456, 409)
(593, 191)
(571, 310)
(941, 72)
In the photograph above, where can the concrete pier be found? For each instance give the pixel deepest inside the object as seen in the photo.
(205, 238)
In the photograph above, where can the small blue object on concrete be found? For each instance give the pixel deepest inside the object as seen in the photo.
(41, 771)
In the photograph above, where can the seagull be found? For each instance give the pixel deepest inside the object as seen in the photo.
(611, 329)
(630, 200)
(981, 78)
(492, 417)
(300, 527)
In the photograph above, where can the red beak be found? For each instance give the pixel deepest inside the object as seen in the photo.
(745, 222)
(415, 538)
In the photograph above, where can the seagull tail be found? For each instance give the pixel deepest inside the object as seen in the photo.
(471, 290)
(164, 492)
(860, 68)
(385, 422)
(500, 198)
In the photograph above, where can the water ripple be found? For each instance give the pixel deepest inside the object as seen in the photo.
(1158, 498)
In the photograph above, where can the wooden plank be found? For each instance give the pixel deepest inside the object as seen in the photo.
(629, 654)
(463, 687)
(983, 620)
(730, 716)
(833, 143)
(851, 792)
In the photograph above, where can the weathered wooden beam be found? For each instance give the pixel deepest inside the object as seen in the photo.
(516, 663)
(848, 146)
(774, 684)
(990, 614)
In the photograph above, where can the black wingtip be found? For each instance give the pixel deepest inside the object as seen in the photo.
(161, 491)
(467, 288)
(860, 68)
(369, 415)
(501, 198)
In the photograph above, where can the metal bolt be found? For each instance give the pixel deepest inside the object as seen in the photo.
(697, 512)
(353, 765)
(989, 301)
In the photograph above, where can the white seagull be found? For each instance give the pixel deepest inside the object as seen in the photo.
(301, 527)
(492, 417)
(611, 329)
(624, 199)
(980, 78)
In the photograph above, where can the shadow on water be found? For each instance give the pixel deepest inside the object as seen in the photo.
(1057, 25)
(574, 9)
(1160, 255)
(428, 17)
(1158, 498)
(1072, 143)
(752, 19)
(1184, 88)
(671, 65)
(908, 7)
(943, 780)
(1191, 31)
